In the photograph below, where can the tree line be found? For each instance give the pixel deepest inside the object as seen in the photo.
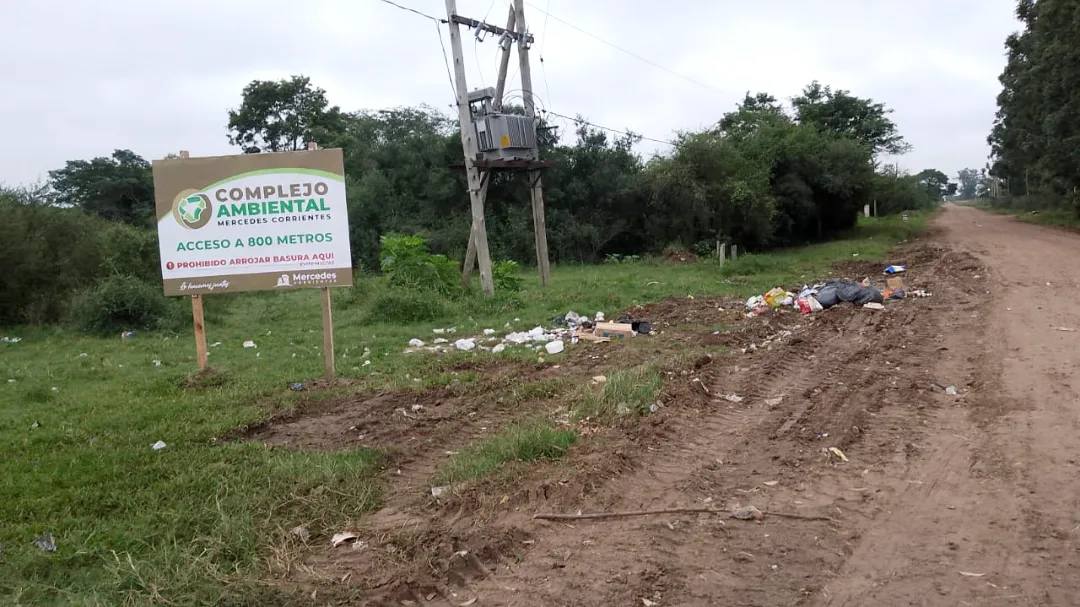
(764, 175)
(1035, 139)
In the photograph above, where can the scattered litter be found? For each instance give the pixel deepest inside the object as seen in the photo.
(921, 293)
(126, 335)
(215, 344)
(498, 348)
(874, 306)
(301, 533)
(343, 537)
(441, 340)
(438, 331)
(838, 453)
(951, 390)
(249, 344)
(599, 379)
(11, 380)
(517, 337)
(489, 331)
(83, 354)
(438, 492)
(158, 446)
(772, 402)
(771, 483)
(156, 362)
(653, 408)
(1067, 329)
(35, 425)
(599, 317)
(10, 340)
(554, 347)
(297, 386)
(465, 344)
(647, 603)
(417, 408)
(747, 513)
(970, 574)
(46, 542)
(733, 398)
(895, 269)
(416, 343)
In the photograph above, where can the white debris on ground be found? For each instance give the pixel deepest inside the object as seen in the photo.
(553, 340)
(10, 340)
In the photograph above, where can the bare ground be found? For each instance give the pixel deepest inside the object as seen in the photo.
(942, 500)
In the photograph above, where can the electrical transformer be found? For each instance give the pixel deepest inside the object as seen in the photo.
(500, 135)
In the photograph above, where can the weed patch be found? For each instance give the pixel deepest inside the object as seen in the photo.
(522, 442)
(625, 393)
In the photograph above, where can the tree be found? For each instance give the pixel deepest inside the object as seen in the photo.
(753, 113)
(119, 187)
(969, 182)
(933, 181)
(1035, 140)
(851, 117)
(283, 115)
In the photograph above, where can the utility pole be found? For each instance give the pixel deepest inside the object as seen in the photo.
(480, 169)
(536, 189)
(477, 191)
(500, 86)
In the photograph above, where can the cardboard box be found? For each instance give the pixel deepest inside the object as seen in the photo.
(584, 335)
(614, 329)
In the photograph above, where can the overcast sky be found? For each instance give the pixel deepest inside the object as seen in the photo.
(83, 78)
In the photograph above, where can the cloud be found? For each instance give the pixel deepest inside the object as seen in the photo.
(88, 77)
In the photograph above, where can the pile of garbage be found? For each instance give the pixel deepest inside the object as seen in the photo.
(570, 327)
(825, 295)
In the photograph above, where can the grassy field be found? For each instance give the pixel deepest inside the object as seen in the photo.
(192, 523)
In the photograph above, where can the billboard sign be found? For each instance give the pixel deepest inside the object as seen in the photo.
(252, 222)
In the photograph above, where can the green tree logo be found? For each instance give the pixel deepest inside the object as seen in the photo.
(192, 210)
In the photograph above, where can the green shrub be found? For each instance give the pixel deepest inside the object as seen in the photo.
(130, 251)
(507, 276)
(400, 306)
(407, 263)
(47, 253)
(119, 303)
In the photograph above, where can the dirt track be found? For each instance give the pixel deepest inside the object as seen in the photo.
(944, 500)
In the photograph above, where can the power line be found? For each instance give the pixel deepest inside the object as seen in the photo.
(543, 43)
(628, 52)
(413, 10)
(446, 61)
(580, 120)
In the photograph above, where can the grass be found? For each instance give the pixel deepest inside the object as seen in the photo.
(1034, 210)
(626, 392)
(520, 442)
(193, 523)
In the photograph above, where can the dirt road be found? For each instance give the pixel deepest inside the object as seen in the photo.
(945, 500)
(878, 485)
(997, 490)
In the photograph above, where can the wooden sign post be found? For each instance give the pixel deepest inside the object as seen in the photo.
(329, 369)
(201, 353)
